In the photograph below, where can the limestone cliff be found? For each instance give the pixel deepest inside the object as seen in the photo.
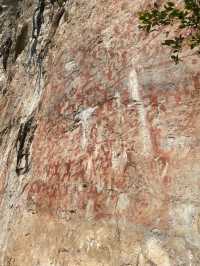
(99, 139)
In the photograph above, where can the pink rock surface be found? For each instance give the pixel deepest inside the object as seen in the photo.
(114, 161)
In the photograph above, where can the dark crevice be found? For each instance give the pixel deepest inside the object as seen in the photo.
(37, 56)
(21, 40)
(4, 132)
(38, 20)
(45, 48)
(8, 26)
(23, 145)
(5, 51)
(52, 31)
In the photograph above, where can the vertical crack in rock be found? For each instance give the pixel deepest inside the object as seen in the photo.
(38, 20)
(136, 97)
(21, 40)
(24, 140)
(9, 20)
(38, 55)
(4, 132)
(45, 47)
(52, 31)
(8, 29)
(5, 51)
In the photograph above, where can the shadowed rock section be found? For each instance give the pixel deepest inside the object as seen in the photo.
(24, 140)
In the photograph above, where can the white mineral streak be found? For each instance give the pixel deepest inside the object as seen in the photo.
(89, 209)
(70, 66)
(190, 256)
(184, 222)
(120, 112)
(4, 223)
(84, 117)
(118, 100)
(8, 202)
(119, 160)
(134, 90)
(89, 168)
(35, 98)
(154, 252)
(123, 202)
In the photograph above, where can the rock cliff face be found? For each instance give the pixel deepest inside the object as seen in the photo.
(99, 139)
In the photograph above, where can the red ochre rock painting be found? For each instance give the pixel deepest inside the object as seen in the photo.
(113, 176)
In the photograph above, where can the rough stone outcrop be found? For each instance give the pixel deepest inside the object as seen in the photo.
(99, 139)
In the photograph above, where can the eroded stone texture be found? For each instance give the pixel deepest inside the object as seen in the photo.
(109, 165)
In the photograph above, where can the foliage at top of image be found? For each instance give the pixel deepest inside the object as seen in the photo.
(186, 20)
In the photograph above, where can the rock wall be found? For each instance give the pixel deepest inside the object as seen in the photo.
(99, 139)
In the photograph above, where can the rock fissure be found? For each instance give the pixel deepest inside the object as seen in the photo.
(23, 144)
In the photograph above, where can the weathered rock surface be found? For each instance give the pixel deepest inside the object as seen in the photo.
(99, 139)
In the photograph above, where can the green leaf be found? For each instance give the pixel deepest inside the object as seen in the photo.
(187, 18)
